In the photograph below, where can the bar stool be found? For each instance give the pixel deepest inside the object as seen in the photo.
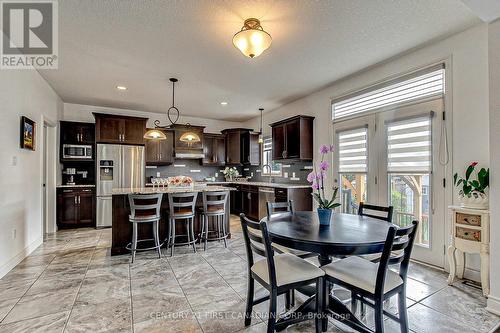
(144, 208)
(182, 208)
(214, 206)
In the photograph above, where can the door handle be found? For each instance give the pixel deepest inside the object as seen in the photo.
(76, 199)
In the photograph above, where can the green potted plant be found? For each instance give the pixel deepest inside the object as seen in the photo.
(473, 188)
(230, 173)
(317, 180)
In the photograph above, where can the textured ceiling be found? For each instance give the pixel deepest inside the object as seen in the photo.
(141, 43)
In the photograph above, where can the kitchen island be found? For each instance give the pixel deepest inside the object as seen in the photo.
(122, 228)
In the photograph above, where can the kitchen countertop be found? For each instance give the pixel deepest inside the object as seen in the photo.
(71, 186)
(262, 184)
(151, 190)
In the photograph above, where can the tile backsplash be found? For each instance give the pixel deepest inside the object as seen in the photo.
(191, 168)
(293, 173)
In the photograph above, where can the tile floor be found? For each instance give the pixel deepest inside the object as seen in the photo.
(72, 284)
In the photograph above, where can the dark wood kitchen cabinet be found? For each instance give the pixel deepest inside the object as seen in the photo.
(250, 201)
(214, 149)
(160, 152)
(119, 129)
(302, 198)
(242, 147)
(75, 207)
(293, 139)
(77, 133)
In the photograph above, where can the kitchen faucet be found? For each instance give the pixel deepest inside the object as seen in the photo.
(270, 172)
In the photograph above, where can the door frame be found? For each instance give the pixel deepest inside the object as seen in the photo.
(48, 171)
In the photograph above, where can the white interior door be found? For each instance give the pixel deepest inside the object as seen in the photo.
(397, 153)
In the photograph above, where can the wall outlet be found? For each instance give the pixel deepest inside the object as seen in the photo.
(14, 160)
(251, 174)
(14, 233)
(216, 174)
(285, 174)
(158, 175)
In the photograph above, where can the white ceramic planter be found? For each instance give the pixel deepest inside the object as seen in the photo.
(476, 200)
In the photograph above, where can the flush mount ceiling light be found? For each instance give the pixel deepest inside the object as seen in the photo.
(223, 103)
(173, 114)
(121, 87)
(252, 40)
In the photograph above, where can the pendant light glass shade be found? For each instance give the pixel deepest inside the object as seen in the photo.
(190, 137)
(252, 40)
(155, 134)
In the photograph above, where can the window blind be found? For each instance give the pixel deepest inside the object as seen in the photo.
(423, 84)
(409, 144)
(353, 152)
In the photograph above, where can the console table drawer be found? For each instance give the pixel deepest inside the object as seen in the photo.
(469, 219)
(468, 234)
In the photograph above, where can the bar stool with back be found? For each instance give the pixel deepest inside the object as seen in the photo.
(181, 208)
(214, 208)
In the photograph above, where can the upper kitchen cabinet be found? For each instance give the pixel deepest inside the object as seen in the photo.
(242, 146)
(160, 152)
(77, 133)
(119, 129)
(214, 149)
(293, 139)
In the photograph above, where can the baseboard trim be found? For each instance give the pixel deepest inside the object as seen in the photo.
(493, 305)
(14, 261)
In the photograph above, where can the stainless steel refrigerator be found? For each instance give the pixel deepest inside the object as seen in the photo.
(117, 166)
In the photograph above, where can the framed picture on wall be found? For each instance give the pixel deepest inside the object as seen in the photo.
(28, 133)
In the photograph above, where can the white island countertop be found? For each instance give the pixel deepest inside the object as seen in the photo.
(151, 190)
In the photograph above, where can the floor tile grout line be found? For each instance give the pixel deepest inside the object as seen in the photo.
(24, 294)
(447, 316)
(131, 298)
(185, 296)
(78, 292)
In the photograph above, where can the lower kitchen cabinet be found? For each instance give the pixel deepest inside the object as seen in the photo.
(75, 207)
(250, 201)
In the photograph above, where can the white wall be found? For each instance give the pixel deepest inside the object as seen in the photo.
(80, 112)
(494, 81)
(22, 92)
(467, 52)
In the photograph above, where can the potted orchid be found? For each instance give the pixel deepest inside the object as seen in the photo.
(317, 180)
(473, 188)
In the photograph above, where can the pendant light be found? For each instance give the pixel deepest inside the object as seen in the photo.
(252, 40)
(261, 137)
(173, 114)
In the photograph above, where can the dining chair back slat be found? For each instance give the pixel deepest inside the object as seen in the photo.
(144, 204)
(377, 212)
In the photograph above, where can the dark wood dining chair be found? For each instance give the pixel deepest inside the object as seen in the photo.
(373, 283)
(285, 207)
(278, 273)
(377, 212)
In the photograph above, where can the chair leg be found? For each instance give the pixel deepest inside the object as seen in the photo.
(169, 233)
(205, 220)
(250, 292)
(157, 240)
(191, 230)
(172, 223)
(271, 321)
(402, 311)
(362, 307)
(326, 293)
(319, 306)
(292, 293)
(288, 300)
(223, 218)
(379, 316)
(354, 303)
(134, 240)
(202, 220)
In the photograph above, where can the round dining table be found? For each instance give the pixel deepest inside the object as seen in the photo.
(346, 235)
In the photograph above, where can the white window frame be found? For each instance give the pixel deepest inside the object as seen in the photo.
(269, 159)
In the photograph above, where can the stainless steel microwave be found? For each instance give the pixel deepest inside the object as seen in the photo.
(77, 151)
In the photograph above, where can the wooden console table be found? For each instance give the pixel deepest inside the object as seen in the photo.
(470, 233)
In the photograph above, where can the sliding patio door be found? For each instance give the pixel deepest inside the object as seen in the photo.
(390, 158)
